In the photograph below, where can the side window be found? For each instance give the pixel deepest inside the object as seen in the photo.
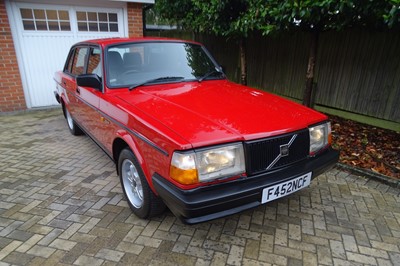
(95, 66)
(68, 66)
(79, 59)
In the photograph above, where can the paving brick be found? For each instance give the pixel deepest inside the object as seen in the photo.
(385, 246)
(158, 234)
(295, 232)
(50, 237)
(167, 222)
(350, 243)
(17, 258)
(200, 252)
(288, 252)
(41, 251)
(83, 238)
(272, 258)
(183, 230)
(63, 244)
(86, 260)
(233, 240)
(324, 255)
(216, 245)
(307, 227)
(294, 244)
(337, 249)
(108, 254)
(72, 229)
(89, 225)
(20, 235)
(252, 249)
(150, 228)
(129, 248)
(361, 258)
(29, 243)
(9, 248)
(247, 234)
(235, 255)
(10, 228)
(147, 241)
(310, 258)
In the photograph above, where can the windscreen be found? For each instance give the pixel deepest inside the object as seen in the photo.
(136, 63)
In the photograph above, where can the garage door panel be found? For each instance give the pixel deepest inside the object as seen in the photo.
(45, 35)
(42, 57)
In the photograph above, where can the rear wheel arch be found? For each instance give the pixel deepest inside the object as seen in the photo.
(72, 126)
(63, 106)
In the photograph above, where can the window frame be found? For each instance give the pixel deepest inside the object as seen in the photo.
(71, 56)
(110, 46)
(46, 20)
(73, 60)
(88, 21)
(92, 47)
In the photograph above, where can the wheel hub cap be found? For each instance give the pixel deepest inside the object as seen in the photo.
(132, 184)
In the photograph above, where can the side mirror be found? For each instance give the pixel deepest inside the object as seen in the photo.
(89, 80)
(222, 69)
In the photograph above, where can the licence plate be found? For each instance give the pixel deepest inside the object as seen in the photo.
(282, 189)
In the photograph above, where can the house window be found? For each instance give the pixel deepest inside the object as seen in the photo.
(97, 21)
(45, 19)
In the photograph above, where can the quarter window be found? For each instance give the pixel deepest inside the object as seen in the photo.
(79, 58)
(97, 21)
(94, 65)
(45, 19)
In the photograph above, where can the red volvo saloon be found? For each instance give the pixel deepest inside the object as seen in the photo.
(182, 135)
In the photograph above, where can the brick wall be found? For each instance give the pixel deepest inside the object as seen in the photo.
(135, 20)
(11, 92)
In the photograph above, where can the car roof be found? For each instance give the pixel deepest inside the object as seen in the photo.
(112, 41)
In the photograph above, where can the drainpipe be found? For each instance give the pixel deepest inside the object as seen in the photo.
(144, 9)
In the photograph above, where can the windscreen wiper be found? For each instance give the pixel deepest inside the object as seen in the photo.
(166, 78)
(212, 72)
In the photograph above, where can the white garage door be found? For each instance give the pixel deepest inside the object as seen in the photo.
(45, 34)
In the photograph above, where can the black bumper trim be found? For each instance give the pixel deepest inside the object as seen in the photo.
(216, 201)
(57, 96)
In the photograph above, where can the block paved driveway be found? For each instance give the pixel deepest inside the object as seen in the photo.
(61, 203)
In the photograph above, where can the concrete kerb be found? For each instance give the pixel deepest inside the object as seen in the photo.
(369, 174)
(31, 110)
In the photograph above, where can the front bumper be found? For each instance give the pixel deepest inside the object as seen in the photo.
(216, 201)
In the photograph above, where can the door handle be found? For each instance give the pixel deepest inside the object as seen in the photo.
(78, 91)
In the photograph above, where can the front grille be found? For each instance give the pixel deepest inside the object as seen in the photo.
(261, 153)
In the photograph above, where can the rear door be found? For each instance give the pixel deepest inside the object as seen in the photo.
(83, 102)
(75, 66)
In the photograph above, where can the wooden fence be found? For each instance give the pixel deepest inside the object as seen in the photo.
(356, 70)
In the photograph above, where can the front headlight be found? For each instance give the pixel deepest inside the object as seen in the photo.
(205, 165)
(320, 137)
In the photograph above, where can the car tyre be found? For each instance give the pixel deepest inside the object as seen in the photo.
(141, 199)
(73, 127)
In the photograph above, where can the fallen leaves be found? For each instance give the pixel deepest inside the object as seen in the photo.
(367, 147)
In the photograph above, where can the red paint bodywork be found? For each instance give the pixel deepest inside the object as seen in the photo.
(178, 116)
